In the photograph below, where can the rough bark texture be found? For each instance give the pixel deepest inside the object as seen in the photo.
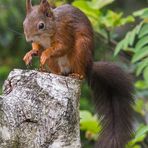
(39, 110)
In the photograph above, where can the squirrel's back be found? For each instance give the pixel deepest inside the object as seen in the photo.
(72, 16)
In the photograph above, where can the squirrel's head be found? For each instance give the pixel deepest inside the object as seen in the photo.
(39, 22)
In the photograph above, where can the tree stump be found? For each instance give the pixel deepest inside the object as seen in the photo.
(39, 110)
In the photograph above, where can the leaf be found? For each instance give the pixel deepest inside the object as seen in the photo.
(143, 41)
(131, 37)
(143, 52)
(139, 27)
(138, 106)
(137, 146)
(145, 74)
(145, 15)
(113, 19)
(141, 66)
(142, 131)
(119, 47)
(126, 20)
(98, 4)
(89, 122)
(141, 85)
(139, 135)
(93, 14)
(143, 31)
(141, 13)
(128, 40)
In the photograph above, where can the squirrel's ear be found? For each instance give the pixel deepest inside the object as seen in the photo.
(28, 6)
(45, 8)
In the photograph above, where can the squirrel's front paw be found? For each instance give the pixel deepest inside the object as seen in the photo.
(28, 57)
(44, 57)
(76, 76)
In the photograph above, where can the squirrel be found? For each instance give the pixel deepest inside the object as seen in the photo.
(63, 40)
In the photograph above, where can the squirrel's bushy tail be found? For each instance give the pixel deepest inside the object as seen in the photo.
(112, 93)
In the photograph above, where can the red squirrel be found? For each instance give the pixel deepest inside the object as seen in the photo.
(63, 39)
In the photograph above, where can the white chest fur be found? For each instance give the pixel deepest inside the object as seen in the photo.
(64, 65)
(63, 62)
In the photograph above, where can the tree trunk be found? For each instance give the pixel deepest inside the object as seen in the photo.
(39, 110)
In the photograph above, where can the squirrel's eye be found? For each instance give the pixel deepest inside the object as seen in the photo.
(41, 26)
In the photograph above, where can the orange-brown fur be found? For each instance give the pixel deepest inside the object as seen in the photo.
(63, 39)
(75, 40)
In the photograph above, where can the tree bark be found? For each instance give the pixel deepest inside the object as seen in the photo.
(39, 110)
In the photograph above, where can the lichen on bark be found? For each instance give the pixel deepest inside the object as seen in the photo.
(39, 110)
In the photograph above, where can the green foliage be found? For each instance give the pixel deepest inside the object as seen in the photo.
(90, 124)
(139, 136)
(128, 41)
(136, 41)
(113, 19)
(141, 85)
(142, 13)
(140, 32)
(12, 41)
(93, 4)
(102, 21)
(141, 47)
(139, 106)
(4, 70)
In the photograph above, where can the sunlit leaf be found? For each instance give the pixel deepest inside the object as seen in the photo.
(93, 14)
(143, 130)
(119, 47)
(139, 136)
(145, 74)
(141, 65)
(98, 4)
(128, 40)
(89, 122)
(126, 20)
(142, 42)
(141, 13)
(138, 106)
(141, 85)
(143, 31)
(143, 52)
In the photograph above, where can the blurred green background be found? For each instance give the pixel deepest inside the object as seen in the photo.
(121, 35)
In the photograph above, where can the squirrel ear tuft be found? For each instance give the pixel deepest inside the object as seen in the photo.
(28, 6)
(45, 8)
